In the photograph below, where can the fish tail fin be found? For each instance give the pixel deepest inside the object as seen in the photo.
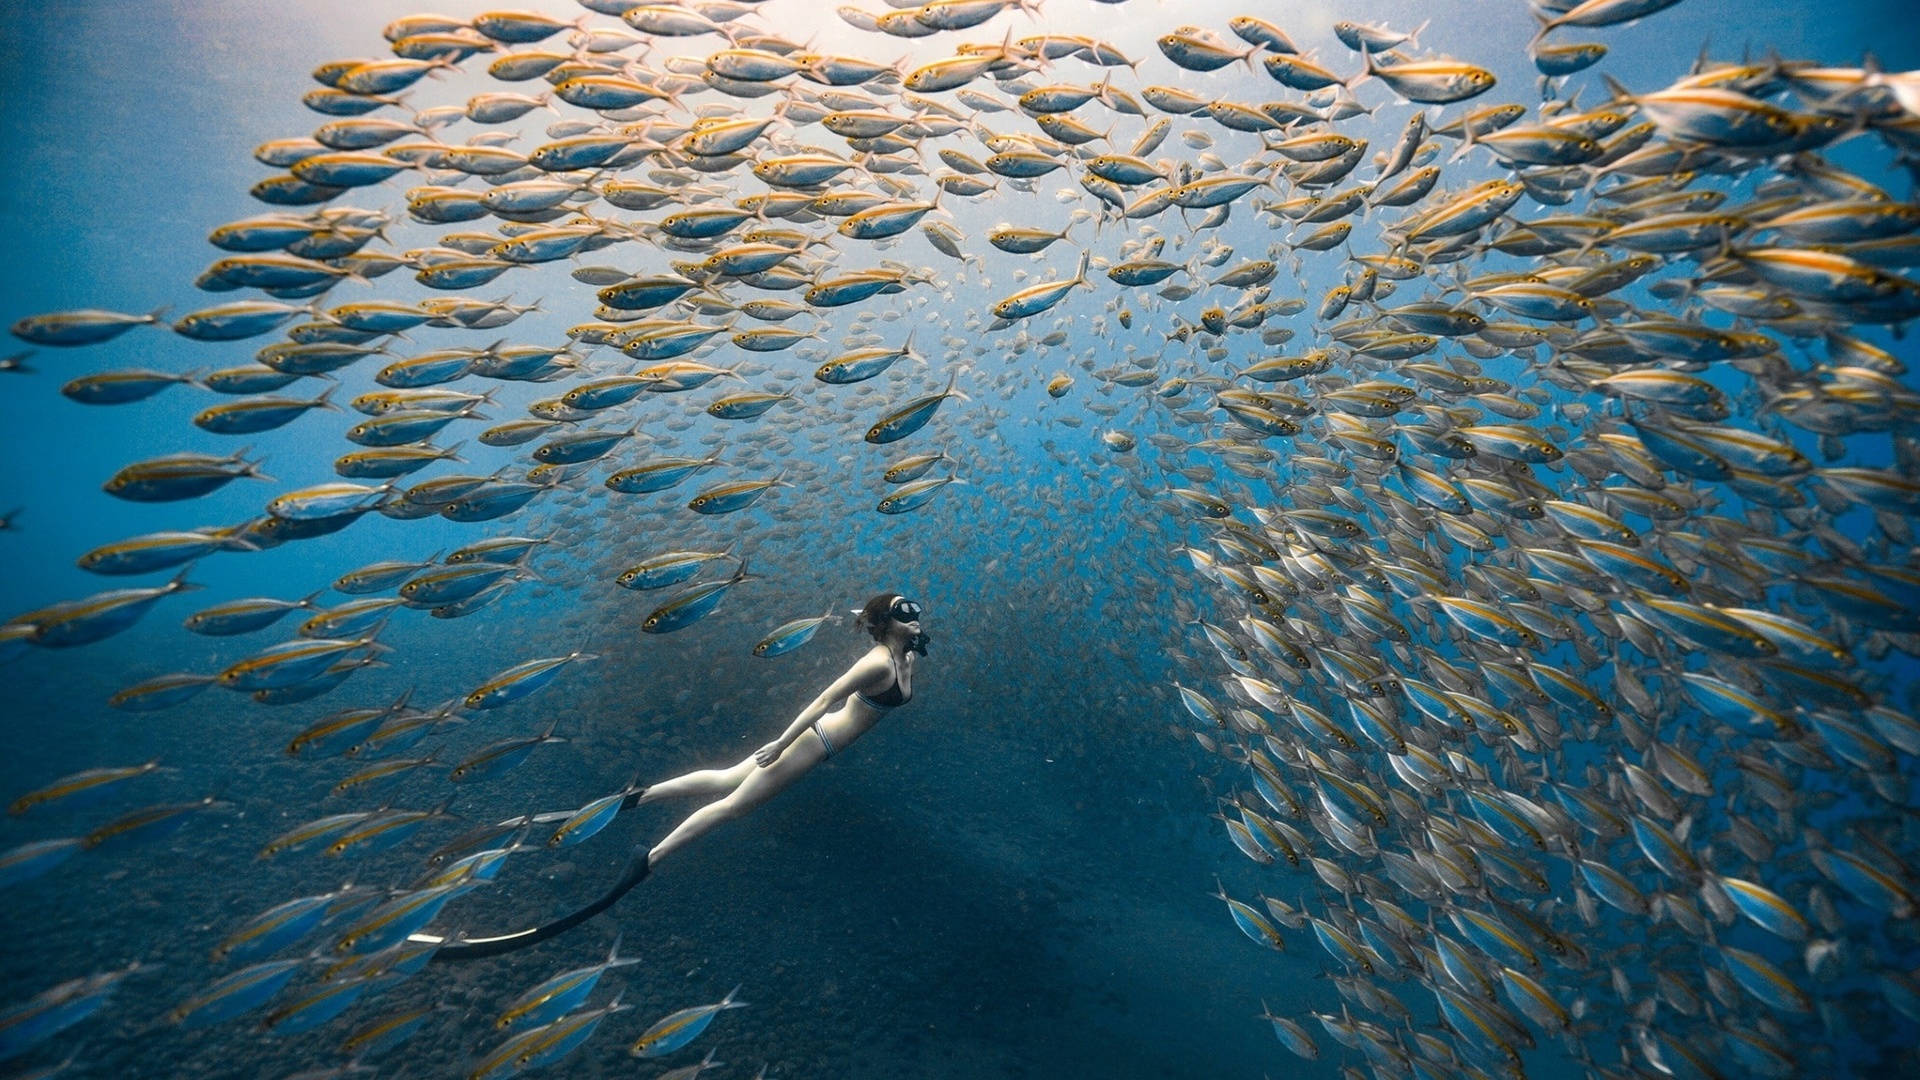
(728, 1002)
(325, 400)
(1007, 50)
(179, 583)
(1546, 27)
(1101, 92)
(235, 541)
(1620, 95)
(158, 315)
(1467, 141)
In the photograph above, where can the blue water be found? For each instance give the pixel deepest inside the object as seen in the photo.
(1010, 878)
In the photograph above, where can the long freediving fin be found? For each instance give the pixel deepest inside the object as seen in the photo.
(481, 948)
(455, 951)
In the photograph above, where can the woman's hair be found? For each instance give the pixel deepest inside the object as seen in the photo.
(876, 615)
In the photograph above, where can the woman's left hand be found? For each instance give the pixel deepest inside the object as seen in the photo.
(768, 754)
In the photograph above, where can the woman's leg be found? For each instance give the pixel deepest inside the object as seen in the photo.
(759, 786)
(707, 782)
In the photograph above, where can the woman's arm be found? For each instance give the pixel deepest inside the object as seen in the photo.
(863, 673)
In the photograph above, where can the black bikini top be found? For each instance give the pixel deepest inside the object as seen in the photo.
(891, 697)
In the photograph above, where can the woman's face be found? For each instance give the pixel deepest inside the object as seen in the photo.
(903, 621)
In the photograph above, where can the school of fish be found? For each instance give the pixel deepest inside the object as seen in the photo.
(1544, 591)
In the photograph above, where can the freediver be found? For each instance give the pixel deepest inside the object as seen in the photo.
(880, 681)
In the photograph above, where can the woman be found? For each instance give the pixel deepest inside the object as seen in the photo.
(876, 684)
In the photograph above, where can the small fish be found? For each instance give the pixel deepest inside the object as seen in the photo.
(121, 387)
(244, 616)
(732, 497)
(520, 681)
(81, 788)
(162, 692)
(585, 822)
(276, 928)
(692, 605)
(35, 858)
(230, 996)
(914, 494)
(392, 922)
(336, 732)
(561, 994)
(863, 364)
(383, 830)
(913, 416)
(677, 1029)
(387, 1032)
(56, 1009)
(102, 615)
(1040, 298)
(89, 326)
(290, 663)
(496, 758)
(790, 636)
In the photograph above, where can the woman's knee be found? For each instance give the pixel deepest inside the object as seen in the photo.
(738, 804)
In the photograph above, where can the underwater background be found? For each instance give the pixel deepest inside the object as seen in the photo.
(1012, 877)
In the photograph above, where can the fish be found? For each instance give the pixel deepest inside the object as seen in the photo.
(499, 757)
(81, 788)
(392, 922)
(863, 364)
(914, 494)
(560, 995)
(35, 858)
(88, 326)
(732, 496)
(276, 928)
(289, 663)
(565, 1035)
(587, 821)
(790, 636)
(123, 387)
(677, 1029)
(387, 1032)
(1041, 298)
(235, 994)
(161, 692)
(913, 416)
(693, 604)
(56, 1009)
(72, 623)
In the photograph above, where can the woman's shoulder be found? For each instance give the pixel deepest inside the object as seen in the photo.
(876, 659)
